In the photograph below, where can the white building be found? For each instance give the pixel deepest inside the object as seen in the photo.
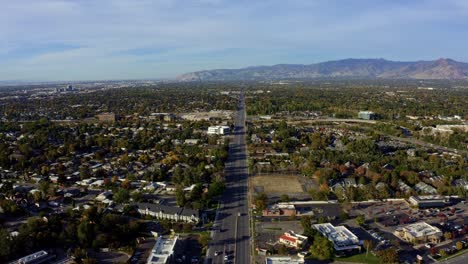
(366, 115)
(218, 130)
(292, 239)
(420, 232)
(162, 251)
(340, 236)
(282, 260)
(36, 258)
(171, 213)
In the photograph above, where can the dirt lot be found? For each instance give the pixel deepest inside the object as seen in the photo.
(277, 184)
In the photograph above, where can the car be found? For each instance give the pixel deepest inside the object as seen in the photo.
(428, 245)
(217, 253)
(226, 257)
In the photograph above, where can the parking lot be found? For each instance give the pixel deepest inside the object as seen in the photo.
(382, 218)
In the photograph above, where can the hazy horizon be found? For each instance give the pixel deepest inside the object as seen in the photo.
(125, 40)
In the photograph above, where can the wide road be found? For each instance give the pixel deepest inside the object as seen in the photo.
(231, 235)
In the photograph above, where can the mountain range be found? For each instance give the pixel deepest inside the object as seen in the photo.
(348, 68)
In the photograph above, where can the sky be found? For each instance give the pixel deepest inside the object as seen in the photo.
(51, 40)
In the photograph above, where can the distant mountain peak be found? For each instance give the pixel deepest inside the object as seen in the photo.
(443, 68)
(444, 61)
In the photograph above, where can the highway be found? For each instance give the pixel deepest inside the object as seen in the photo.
(231, 238)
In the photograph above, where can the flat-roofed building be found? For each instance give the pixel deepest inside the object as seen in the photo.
(367, 115)
(420, 232)
(340, 236)
(35, 258)
(280, 209)
(162, 251)
(425, 201)
(218, 130)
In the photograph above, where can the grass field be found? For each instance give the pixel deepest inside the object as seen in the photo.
(360, 258)
(278, 184)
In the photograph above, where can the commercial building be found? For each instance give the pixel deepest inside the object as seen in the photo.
(280, 210)
(106, 117)
(340, 236)
(218, 130)
(425, 201)
(367, 115)
(291, 239)
(162, 251)
(420, 232)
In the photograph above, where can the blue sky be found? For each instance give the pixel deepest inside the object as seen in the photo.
(137, 39)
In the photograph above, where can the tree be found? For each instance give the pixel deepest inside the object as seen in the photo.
(5, 245)
(216, 188)
(389, 255)
(360, 220)
(306, 224)
(204, 239)
(322, 248)
(344, 216)
(86, 232)
(459, 245)
(368, 245)
(136, 196)
(121, 196)
(180, 197)
(284, 198)
(448, 235)
(261, 201)
(282, 250)
(442, 252)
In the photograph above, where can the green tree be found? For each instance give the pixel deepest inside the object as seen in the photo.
(306, 223)
(121, 196)
(284, 198)
(86, 232)
(448, 235)
(360, 220)
(261, 201)
(180, 197)
(204, 239)
(6, 245)
(322, 248)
